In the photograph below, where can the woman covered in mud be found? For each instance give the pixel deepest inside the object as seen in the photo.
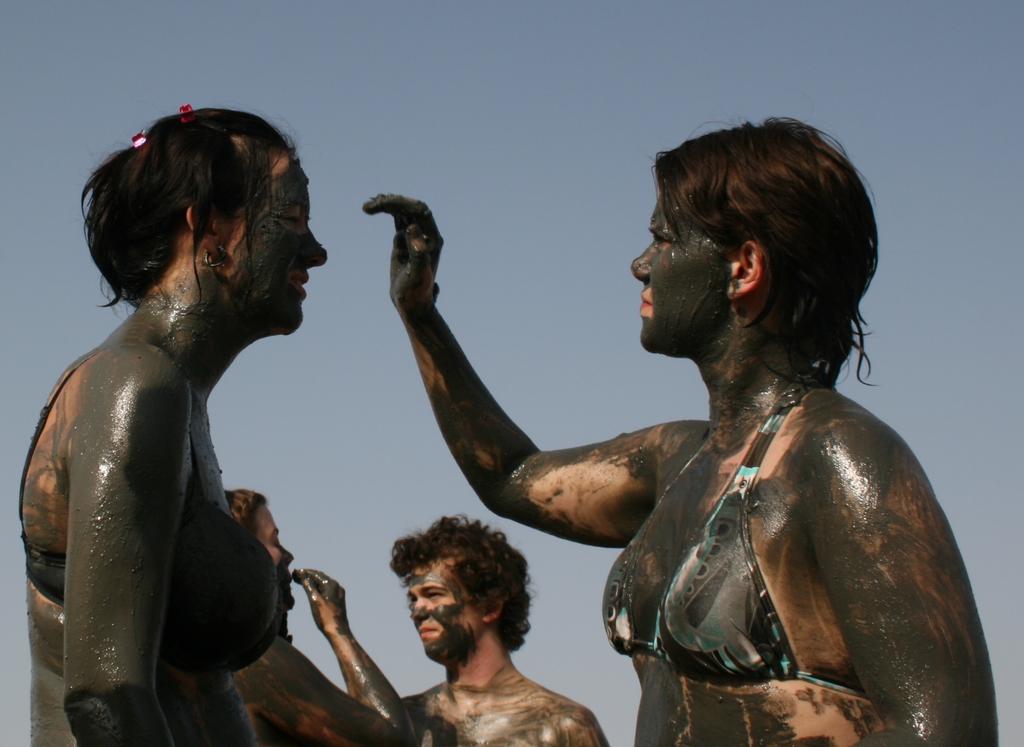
(143, 592)
(788, 576)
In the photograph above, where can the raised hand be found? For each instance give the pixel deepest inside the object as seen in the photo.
(415, 252)
(326, 600)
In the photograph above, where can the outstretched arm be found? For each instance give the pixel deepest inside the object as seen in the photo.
(286, 689)
(297, 698)
(598, 494)
(900, 591)
(128, 475)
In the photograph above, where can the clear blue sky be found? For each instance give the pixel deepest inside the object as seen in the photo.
(530, 128)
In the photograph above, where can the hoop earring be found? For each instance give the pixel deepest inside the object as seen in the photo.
(222, 257)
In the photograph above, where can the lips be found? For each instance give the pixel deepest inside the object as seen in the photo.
(429, 632)
(297, 280)
(646, 303)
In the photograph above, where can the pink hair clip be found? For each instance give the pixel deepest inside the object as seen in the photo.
(139, 139)
(187, 115)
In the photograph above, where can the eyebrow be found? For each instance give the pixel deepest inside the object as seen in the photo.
(432, 585)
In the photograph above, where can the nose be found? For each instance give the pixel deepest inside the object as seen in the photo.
(312, 251)
(641, 267)
(418, 612)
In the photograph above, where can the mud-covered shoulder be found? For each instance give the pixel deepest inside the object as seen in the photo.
(131, 383)
(844, 455)
(132, 361)
(132, 408)
(580, 727)
(892, 573)
(825, 412)
(575, 723)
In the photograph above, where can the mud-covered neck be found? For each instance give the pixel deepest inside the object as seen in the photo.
(748, 375)
(201, 338)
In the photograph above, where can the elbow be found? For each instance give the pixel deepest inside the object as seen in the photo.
(504, 496)
(402, 736)
(93, 718)
(108, 718)
(399, 733)
(497, 503)
(494, 493)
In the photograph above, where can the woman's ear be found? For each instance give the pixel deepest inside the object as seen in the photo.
(749, 279)
(220, 228)
(221, 236)
(224, 229)
(184, 238)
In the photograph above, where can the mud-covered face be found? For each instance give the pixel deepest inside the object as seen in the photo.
(443, 615)
(684, 302)
(282, 251)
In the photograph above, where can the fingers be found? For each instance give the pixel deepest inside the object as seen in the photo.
(396, 206)
(425, 220)
(314, 582)
(416, 241)
(406, 212)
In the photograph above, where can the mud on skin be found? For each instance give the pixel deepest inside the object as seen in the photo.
(484, 699)
(291, 702)
(123, 480)
(511, 710)
(855, 553)
(456, 643)
(198, 598)
(280, 235)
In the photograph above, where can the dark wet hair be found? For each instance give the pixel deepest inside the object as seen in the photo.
(243, 504)
(136, 200)
(793, 189)
(490, 569)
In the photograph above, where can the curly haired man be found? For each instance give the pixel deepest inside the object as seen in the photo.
(468, 597)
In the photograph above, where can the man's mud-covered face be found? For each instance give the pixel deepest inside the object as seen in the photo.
(443, 614)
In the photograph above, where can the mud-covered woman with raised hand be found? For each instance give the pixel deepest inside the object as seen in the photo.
(788, 577)
(143, 592)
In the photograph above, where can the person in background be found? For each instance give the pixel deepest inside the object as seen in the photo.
(289, 700)
(468, 598)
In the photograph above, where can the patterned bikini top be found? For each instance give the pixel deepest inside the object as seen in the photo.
(716, 616)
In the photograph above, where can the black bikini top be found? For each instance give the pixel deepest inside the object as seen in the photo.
(223, 608)
(716, 616)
